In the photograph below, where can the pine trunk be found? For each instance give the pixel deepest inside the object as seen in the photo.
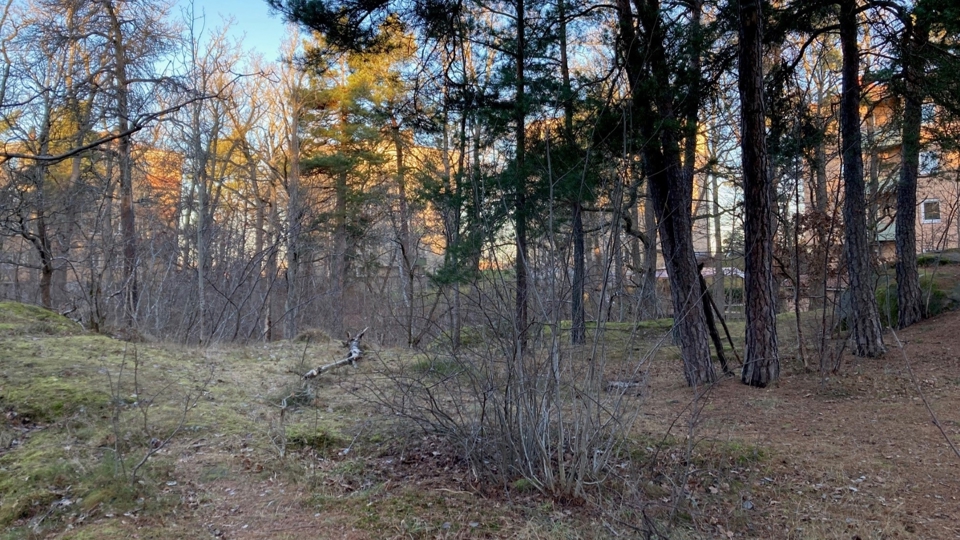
(762, 363)
(864, 318)
(520, 203)
(671, 192)
(127, 220)
(909, 298)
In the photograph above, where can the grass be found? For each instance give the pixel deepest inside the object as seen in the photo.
(25, 319)
(60, 393)
(690, 474)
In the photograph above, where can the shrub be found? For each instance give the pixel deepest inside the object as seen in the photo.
(935, 301)
(932, 259)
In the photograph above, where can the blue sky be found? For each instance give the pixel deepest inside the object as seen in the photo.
(263, 30)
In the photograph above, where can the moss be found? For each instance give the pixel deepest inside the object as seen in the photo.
(740, 453)
(313, 335)
(31, 476)
(438, 366)
(321, 440)
(106, 485)
(46, 399)
(656, 324)
(24, 319)
(522, 485)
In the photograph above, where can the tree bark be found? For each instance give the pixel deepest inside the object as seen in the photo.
(520, 208)
(866, 335)
(719, 279)
(762, 362)
(909, 297)
(578, 331)
(340, 263)
(407, 252)
(127, 218)
(354, 354)
(294, 216)
(578, 327)
(708, 307)
(671, 192)
(650, 301)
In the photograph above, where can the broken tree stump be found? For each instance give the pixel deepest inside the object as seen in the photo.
(354, 354)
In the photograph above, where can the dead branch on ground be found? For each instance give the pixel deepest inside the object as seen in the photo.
(354, 354)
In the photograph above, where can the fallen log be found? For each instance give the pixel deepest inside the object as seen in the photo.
(354, 354)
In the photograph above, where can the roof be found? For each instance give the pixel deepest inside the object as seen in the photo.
(708, 271)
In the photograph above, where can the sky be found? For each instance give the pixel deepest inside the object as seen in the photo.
(260, 29)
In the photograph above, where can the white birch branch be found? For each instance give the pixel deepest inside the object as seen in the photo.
(354, 354)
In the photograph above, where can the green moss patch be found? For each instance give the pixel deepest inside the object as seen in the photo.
(24, 319)
(46, 399)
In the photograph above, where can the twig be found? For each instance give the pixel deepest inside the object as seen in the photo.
(346, 450)
(916, 383)
(610, 528)
(190, 402)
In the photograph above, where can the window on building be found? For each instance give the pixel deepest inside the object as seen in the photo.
(928, 113)
(929, 162)
(930, 211)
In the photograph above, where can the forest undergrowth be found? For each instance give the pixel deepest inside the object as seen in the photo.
(105, 439)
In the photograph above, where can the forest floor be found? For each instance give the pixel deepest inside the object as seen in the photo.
(855, 453)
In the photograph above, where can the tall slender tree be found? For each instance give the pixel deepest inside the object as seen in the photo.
(659, 110)
(909, 301)
(119, 47)
(762, 363)
(864, 317)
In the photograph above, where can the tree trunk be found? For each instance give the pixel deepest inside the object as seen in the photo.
(671, 192)
(762, 362)
(578, 331)
(339, 277)
(451, 217)
(650, 301)
(408, 257)
(873, 184)
(671, 201)
(41, 241)
(127, 220)
(294, 216)
(708, 307)
(199, 161)
(909, 298)
(719, 279)
(578, 327)
(864, 317)
(520, 205)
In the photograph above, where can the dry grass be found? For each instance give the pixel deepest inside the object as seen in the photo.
(851, 455)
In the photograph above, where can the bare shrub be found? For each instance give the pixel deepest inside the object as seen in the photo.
(549, 419)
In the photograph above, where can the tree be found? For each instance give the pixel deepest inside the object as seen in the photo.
(864, 320)
(762, 363)
(661, 124)
(88, 64)
(909, 300)
(928, 67)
